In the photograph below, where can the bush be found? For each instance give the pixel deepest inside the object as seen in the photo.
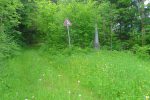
(7, 47)
(142, 51)
(8, 24)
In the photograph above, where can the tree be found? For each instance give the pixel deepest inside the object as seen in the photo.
(9, 20)
(107, 12)
(96, 39)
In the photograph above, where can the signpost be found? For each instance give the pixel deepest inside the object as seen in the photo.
(67, 23)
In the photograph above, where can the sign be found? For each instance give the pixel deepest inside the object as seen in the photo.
(67, 23)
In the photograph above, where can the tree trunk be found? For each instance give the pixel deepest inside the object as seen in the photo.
(104, 30)
(142, 23)
(111, 36)
(96, 39)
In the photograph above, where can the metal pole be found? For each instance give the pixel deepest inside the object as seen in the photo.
(68, 36)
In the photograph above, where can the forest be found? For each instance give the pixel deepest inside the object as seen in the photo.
(74, 49)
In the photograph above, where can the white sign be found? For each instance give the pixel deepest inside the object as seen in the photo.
(67, 22)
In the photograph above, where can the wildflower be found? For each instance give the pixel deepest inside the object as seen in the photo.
(33, 97)
(59, 75)
(147, 97)
(69, 92)
(78, 81)
(79, 95)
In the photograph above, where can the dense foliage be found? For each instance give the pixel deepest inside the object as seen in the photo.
(9, 20)
(122, 25)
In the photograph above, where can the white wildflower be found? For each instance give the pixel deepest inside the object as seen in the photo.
(147, 97)
(78, 81)
(69, 92)
(33, 97)
(79, 95)
(59, 75)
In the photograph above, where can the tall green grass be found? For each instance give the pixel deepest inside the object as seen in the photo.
(104, 75)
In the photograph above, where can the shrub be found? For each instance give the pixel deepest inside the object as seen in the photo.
(142, 51)
(7, 47)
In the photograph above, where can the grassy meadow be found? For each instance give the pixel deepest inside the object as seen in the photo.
(103, 75)
(74, 49)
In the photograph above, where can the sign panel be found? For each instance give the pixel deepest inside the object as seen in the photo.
(67, 23)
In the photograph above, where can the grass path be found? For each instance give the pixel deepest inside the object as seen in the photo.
(93, 76)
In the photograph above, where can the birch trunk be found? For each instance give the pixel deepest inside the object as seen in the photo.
(96, 39)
